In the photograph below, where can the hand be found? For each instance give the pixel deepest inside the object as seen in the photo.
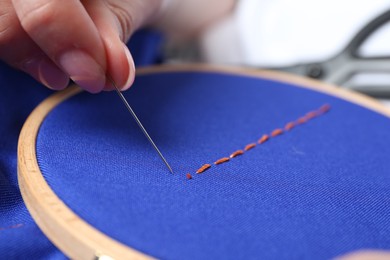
(54, 40)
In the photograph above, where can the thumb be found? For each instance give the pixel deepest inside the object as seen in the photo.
(116, 21)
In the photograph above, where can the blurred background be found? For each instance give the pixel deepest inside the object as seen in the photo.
(342, 42)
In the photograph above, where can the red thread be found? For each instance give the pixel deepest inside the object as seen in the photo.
(263, 139)
(203, 168)
(289, 126)
(236, 153)
(325, 108)
(277, 132)
(250, 146)
(310, 115)
(222, 160)
(301, 120)
(11, 227)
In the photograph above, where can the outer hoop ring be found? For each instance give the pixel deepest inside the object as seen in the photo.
(71, 234)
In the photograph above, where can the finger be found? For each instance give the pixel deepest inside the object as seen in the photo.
(66, 33)
(19, 51)
(366, 255)
(116, 21)
(120, 64)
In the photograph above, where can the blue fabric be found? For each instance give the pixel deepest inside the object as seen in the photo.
(316, 192)
(20, 238)
(145, 46)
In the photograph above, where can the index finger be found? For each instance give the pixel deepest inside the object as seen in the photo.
(67, 34)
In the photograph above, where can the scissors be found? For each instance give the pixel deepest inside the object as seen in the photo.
(342, 67)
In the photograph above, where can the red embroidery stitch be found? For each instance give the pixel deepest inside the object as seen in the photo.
(311, 115)
(263, 139)
(301, 120)
(289, 126)
(11, 227)
(325, 108)
(203, 168)
(277, 132)
(222, 160)
(250, 146)
(322, 110)
(236, 153)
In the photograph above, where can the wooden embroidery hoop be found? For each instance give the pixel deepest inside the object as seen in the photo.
(71, 234)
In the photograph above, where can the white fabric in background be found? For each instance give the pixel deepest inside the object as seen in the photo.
(285, 32)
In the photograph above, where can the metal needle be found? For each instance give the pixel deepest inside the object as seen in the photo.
(139, 123)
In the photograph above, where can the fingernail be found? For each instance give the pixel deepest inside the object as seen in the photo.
(83, 70)
(45, 71)
(130, 78)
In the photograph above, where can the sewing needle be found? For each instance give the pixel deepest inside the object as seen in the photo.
(139, 122)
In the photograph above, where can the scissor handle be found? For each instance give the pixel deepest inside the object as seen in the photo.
(354, 45)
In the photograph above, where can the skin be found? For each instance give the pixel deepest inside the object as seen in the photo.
(83, 40)
(366, 255)
(54, 40)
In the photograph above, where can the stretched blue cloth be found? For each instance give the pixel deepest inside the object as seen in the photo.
(314, 192)
(20, 238)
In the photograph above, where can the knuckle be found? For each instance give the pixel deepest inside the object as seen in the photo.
(8, 25)
(124, 18)
(38, 16)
